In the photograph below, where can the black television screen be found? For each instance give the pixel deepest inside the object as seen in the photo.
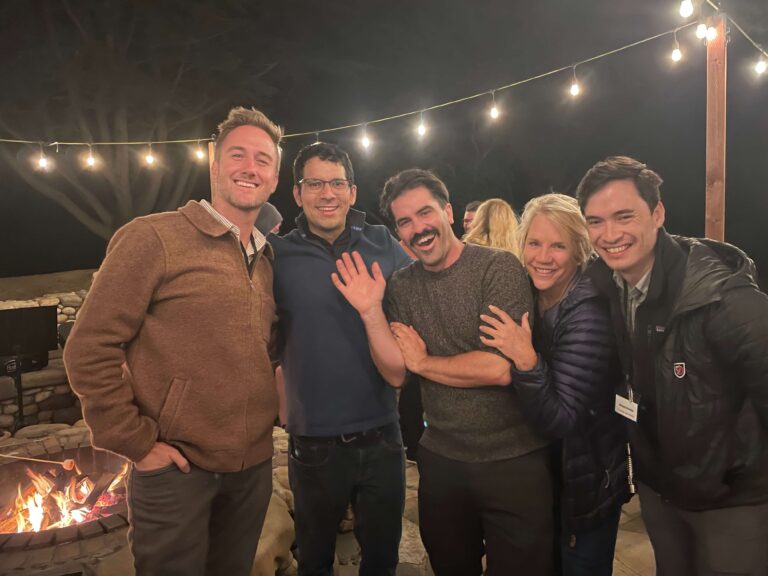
(28, 330)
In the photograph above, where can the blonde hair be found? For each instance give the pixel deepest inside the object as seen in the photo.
(563, 211)
(241, 116)
(495, 225)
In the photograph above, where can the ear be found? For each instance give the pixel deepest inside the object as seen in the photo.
(658, 215)
(352, 195)
(297, 196)
(449, 210)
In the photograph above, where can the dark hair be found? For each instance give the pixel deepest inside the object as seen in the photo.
(473, 206)
(620, 168)
(325, 151)
(408, 180)
(240, 116)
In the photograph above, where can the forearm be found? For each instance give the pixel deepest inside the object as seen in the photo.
(385, 352)
(469, 370)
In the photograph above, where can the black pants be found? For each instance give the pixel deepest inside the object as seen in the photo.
(719, 542)
(199, 523)
(502, 509)
(326, 476)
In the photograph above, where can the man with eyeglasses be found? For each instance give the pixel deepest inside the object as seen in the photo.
(345, 444)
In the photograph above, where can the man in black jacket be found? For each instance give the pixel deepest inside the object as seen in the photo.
(692, 327)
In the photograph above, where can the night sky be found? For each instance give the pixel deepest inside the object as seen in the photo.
(141, 70)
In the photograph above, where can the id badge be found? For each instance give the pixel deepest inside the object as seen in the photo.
(626, 407)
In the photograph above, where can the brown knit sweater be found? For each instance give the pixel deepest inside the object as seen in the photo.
(173, 301)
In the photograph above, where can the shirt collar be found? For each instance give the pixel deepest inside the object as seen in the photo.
(638, 290)
(257, 238)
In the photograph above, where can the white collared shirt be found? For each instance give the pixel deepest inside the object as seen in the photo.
(257, 238)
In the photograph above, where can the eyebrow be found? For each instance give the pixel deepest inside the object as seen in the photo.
(260, 153)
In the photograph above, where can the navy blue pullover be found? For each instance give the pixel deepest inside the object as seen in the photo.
(331, 383)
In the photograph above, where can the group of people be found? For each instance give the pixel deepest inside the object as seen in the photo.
(597, 357)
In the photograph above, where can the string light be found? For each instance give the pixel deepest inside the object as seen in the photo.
(199, 154)
(711, 33)
(421, 129)
(494, 111)
(686, 8)
(149, 158)
(761, 66)
(90, 160)
(701, 31)
(365, 141)
(42, 161)
(575, 89)
(677, 55)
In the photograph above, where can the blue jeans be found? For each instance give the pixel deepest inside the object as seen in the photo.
(326, 476)
(590, 553)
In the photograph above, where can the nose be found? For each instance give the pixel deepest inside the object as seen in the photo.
(611, 232)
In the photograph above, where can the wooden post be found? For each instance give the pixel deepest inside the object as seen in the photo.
(211, 150)
(714, 226)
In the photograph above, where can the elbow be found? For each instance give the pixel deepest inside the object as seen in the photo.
(396, 380)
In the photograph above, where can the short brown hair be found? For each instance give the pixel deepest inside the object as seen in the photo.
(612, 168)
(409, 180)
(241, 116)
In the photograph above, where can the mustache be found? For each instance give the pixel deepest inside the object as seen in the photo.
(420, 235)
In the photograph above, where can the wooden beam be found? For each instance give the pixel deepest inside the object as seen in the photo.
(717, 51)
(211, 150)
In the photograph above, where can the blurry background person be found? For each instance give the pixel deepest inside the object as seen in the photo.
(494, 225)
(567, 387)
(469, 214)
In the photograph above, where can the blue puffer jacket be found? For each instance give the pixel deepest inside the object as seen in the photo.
(569, 395)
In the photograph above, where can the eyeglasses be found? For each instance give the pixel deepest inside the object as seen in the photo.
(315, 185)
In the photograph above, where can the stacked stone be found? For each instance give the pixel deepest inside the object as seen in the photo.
(67, 304)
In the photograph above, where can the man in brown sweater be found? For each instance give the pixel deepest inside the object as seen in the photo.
(169, 358)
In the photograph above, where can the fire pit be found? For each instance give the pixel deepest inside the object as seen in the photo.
(57, 521)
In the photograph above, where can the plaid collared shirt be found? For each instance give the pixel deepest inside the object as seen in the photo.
(635, 294)
(257, 238)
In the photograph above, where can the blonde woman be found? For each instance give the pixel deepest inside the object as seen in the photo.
(564, 372)
(494, 225)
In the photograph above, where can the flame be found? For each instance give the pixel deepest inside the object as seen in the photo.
(41, 505)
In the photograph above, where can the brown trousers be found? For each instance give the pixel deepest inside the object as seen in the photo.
(197, 524)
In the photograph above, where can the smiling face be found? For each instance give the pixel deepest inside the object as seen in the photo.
(623, 229)
(549, 258)
(425, 227)
(327, 209)
(245, 171)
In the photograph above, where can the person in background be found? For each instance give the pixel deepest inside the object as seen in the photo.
(469, 214)
(692, 328)
(564, 373)
(494, 225)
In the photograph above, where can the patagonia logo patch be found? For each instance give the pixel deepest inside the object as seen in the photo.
(679, 369)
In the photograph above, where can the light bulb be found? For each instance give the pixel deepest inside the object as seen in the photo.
(493, 112)
(677, 55)
(421, 130)
(761, 66)
(365, 141)
(575, 89)
(701, 31)
(149, 159)
(91, 161)
(686, 8)
(42, 161)
(199, 153)
(711, 33)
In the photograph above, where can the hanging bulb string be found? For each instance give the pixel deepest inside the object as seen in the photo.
(748, 37)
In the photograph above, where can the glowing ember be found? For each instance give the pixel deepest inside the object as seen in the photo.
(60, 498)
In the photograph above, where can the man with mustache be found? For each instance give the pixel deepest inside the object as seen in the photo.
(485, 482)
(183, 301)
(345, 443)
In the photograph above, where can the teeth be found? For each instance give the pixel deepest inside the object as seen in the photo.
(326, 208)
(617, 249)
(425, 241)
(245, 184)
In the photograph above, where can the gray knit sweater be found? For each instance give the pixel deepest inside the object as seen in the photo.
(466, 424)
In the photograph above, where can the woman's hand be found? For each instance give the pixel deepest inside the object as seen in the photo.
(513, 340)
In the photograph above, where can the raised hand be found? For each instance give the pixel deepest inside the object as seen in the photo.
(413, 348)
(362, 290)
(513, 340)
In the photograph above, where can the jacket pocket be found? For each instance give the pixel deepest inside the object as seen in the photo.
(170, 407)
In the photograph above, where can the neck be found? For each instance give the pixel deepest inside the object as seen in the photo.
(457, 247)
(633, 277)
(243, 219)
(548, 298)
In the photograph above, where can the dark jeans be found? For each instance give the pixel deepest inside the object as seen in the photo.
(719, 542)
(502, 509)
(326, 476)
(199, 523)
(590, 553)
(411, 417)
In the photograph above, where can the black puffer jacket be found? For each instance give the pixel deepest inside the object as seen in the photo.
(700, 365)
(570, 396)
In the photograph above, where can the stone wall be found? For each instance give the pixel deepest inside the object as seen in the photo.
(47, 397)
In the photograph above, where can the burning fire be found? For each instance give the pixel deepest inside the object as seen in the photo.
(61, 498)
